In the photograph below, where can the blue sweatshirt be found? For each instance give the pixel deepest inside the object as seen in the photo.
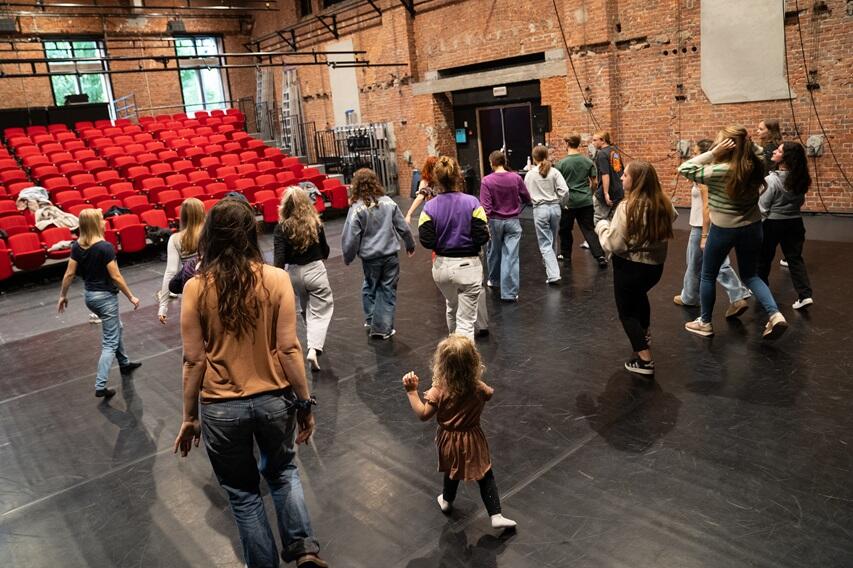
(373, 231)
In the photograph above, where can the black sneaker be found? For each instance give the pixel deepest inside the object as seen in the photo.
(105, 393)
(383, 336)
(481, 333)
(637, 365)
(602, 262)
(125, 369)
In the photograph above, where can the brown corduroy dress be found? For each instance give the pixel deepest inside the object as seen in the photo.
(463, 452)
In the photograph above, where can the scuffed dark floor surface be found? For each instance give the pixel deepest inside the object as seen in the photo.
(740, 455)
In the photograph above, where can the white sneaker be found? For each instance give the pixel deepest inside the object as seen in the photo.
(501, 522)
(559, 257)
(584, 245)
(776, 326)
(490, 284)
(312, 358)
(800, 304)
(383, 336)
(444, 505)
(93, 318)
(784, 263)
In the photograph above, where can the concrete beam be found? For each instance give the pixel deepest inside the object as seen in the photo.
(519, 74)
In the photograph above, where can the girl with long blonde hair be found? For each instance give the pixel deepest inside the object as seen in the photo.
(95, 259)
(457, 398)
(734, 175)
(299, 246)
(182, 247)
(637, 238)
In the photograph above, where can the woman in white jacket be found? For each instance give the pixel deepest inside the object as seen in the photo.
(182, 246)
(546, 187)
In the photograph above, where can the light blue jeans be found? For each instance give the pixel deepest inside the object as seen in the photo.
(503, 255)
(379, 292)
(727, 277)
(546, 219)
(105, 306)
(230, 430)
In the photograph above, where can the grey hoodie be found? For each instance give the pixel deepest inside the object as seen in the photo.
(373, 231)
(778, 203)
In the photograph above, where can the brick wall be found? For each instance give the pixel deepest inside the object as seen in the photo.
(630, 75)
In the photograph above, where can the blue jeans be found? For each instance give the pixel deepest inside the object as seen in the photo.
(229, 429)
(379, 292)
(503, 255)
(546, 219)
(747, 243)
(105, 306)
(727, 277)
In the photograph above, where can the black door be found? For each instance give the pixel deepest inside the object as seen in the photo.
(506, 128)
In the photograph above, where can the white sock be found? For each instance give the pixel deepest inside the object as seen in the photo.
(501, 522)
(445, 505)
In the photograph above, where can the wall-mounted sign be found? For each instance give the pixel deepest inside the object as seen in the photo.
(499, 91)
(461, 136)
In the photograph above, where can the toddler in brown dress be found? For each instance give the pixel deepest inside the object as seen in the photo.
(457, 398)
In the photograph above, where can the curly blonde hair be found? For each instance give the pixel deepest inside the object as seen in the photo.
(456, 366)
(299, 220)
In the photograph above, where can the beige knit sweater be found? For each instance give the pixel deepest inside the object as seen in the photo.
(612, 235)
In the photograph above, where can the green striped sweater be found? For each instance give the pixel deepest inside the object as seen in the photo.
(725, 211)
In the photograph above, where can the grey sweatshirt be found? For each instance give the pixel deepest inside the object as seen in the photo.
(373, 232)
(545, 190)
(778, 203)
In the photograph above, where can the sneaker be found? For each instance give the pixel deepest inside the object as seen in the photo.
(602, 262)
(383, 336)
(501, 522)
(775, 327)
(679, 302)
(559, 257)
(554, 281)
(637, 365)
(490, 284)
(584, 245)
(736, 308)
(93, 318)
(312, 358)
(482, 333)
(699, 327)
(366, 325)
(105, 393)
(800, 304)
(444, 505)
(311, 561)
(784, 263)
(125, 369)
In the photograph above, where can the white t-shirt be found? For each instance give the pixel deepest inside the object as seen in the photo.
(695, 206)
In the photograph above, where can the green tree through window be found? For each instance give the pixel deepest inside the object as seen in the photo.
(81, 67)
(202, 82)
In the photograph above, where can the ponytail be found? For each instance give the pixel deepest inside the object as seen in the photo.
(540, 154)
(446, 174)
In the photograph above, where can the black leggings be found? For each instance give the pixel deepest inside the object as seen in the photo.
(790, 234)
(584, 216)
(488, 492)
(631, 284)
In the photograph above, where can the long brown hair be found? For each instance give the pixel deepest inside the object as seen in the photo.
(540, 155)
(299, 220)
(798, 179)
(91, 227)
(647, 210)
(456, 366)
(365, 187)
(231, 262)
(447, 175)
(427, 169)
(774, 133)
(192, 220)
(745, 168)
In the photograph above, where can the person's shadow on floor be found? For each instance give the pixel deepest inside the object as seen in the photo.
(453, 550)
(630, 414)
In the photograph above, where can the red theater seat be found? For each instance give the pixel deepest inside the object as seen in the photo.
(53, 235)
(27, 250)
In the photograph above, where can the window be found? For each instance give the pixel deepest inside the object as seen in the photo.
(78, 76)
(327, 3)
(202, 84)
(305, 7)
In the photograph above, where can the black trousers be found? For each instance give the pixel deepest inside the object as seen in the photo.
(790, 234)
(488, 492)
(584, 218)
(631, 284)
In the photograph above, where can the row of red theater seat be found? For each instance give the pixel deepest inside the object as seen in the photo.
(28, 250)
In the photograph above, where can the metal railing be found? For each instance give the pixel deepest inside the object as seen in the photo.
(125, 107)
(298, 137)
(345, 149)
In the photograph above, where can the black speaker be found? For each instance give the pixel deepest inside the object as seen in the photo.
(76, 99)
(176, 27)
(541, 119)
(8, 25)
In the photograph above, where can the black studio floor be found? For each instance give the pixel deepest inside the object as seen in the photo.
(740, 455)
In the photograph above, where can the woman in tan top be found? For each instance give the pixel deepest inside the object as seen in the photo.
(456, 399)
(636, 238)
(242, 358)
